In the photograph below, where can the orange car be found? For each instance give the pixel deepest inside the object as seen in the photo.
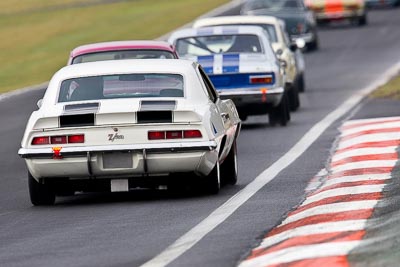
(330, 10)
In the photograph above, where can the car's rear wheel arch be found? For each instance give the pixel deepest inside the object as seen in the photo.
(222, 147)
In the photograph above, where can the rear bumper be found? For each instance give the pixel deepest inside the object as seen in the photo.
(122, 160)
(324, 16)
(244, 97)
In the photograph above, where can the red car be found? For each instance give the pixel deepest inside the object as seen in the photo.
(331, 10)
(122, 50)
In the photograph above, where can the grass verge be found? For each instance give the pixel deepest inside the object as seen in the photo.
(390, 90)
(37, 37)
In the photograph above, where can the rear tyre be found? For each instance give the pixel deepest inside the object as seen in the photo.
(243, 116)
(314, 45)
(281, 113)
(272, 118)
(362, 21)
(301, 83)
(294, 100)
(213, 181)
(229, 169)
(40, 194)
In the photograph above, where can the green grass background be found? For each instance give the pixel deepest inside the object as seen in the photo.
(390, 90)
(37, 35)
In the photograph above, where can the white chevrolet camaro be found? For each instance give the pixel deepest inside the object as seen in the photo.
(117, 125)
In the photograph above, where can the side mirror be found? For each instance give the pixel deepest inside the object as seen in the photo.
(39, 103)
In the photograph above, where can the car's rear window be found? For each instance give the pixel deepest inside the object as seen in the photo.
(218, 44)
(121, 86)
(124, 54)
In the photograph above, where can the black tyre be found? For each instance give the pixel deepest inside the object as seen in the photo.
(301, 84)
(362, 21)
(243, 116)
(294, 100)
(229, 168)
(213, 181)
(314, 45)
(281, 113)
(272, 118)
(40, 194)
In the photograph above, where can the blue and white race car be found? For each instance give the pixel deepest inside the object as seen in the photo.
(240, 62)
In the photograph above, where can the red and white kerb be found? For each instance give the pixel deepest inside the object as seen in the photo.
(332, 220)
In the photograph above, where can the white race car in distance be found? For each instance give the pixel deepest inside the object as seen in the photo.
(108, 125)
(286, 51)
(242, 66)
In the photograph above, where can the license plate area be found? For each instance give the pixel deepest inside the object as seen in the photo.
(117, 160)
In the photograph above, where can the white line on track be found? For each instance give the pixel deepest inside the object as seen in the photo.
(356, 178)
(302, 252)
(342, 191)
(378, 137)
(364, 165)
(193, 236)
(364, 152)
(330, 208)
(313, 229)
(385, 125)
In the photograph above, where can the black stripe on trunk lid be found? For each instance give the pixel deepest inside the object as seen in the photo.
(77, 120)
(154, 116)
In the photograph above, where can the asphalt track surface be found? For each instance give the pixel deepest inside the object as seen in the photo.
(130, 229)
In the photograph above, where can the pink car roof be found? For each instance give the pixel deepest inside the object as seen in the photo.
(121, 45)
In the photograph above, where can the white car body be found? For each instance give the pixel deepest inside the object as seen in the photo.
(279, 39)
(249, 98)
(118, 127)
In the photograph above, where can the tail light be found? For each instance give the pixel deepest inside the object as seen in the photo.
(41, 140)
(174, 135)
(59, 139)
(192, 134)
(262, 79)
(185, 134)
(156, 135)
(78, 138)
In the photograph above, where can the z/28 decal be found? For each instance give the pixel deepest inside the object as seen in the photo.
(115, 136)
